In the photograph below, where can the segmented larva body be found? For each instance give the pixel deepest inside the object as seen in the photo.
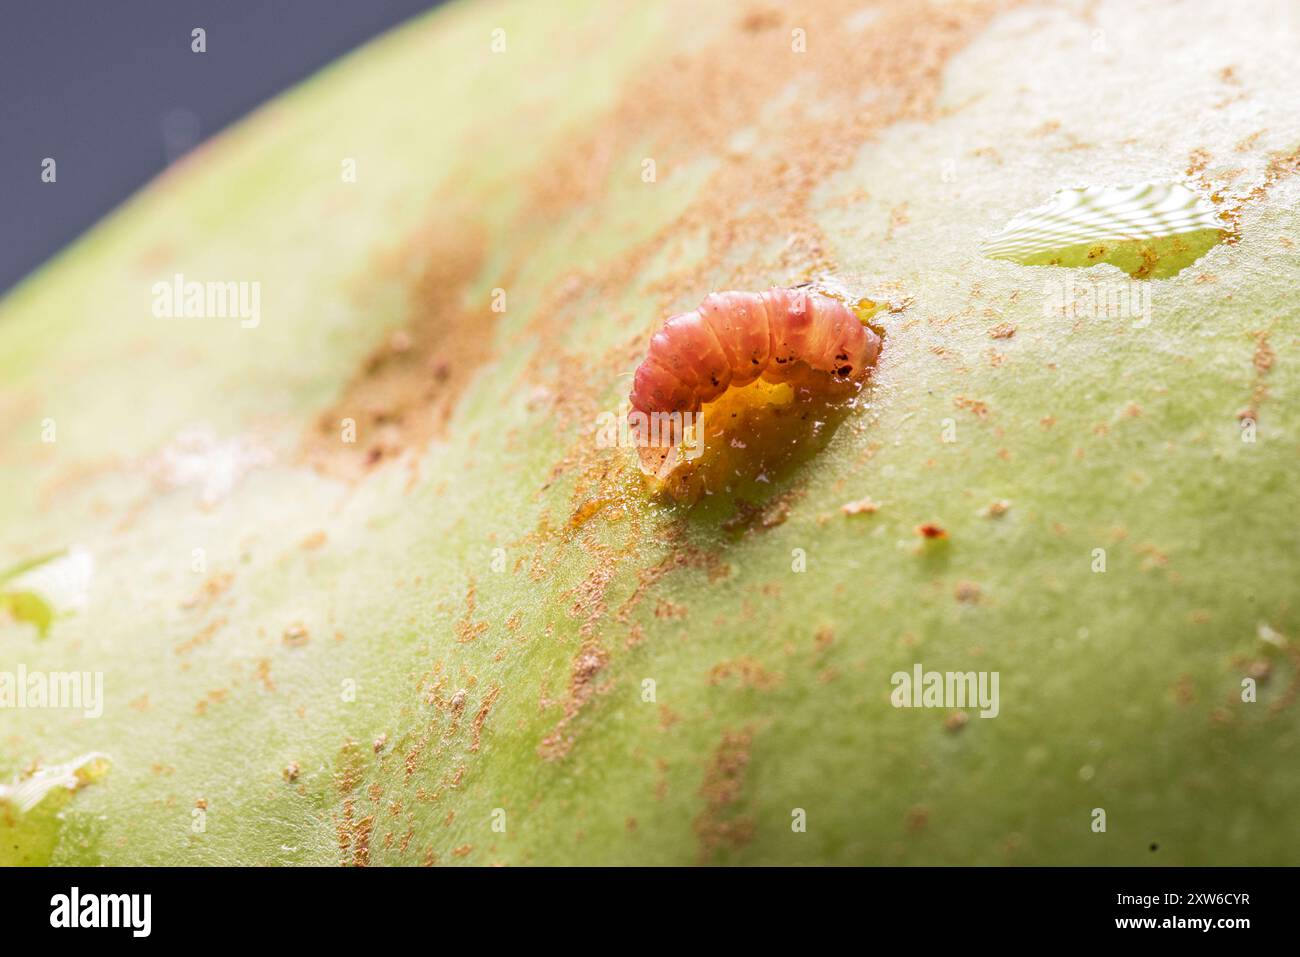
(734, 338)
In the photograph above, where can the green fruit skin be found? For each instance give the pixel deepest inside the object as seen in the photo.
(1120, 690)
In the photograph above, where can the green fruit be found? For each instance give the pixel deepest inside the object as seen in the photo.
(474, 636)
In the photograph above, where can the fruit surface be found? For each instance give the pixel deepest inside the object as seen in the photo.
(471, 636)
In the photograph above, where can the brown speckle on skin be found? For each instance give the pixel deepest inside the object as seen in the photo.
(746, 673)
(979, 409)
(361, 834)
(1152, 556)
(215, 696)
(212, 589)
(296, 635)
(202, 637)
(591, 658)
(683, 556)
(409, 387)
(467, 629)
(667, 717)
(481, 717)
(263, 674)
(824, 638)
(721, 825)
(862, 506)
(761, 18)
(752, 516)
(404, 392)
(667, 610)
(1260, 670)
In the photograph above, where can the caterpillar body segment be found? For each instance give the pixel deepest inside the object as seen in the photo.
(792, 336)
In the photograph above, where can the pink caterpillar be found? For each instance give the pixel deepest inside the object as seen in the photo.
(789, 336)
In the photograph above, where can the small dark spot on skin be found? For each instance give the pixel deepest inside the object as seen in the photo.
(1155, 847)
(296, 635)
(844, 370)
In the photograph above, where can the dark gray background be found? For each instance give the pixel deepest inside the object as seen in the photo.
(111, 91)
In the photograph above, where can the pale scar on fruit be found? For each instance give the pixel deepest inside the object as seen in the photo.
(743, 383)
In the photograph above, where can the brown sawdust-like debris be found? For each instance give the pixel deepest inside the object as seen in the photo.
(467, 629)
(722, 825)
(746, 672)
(406, 388)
